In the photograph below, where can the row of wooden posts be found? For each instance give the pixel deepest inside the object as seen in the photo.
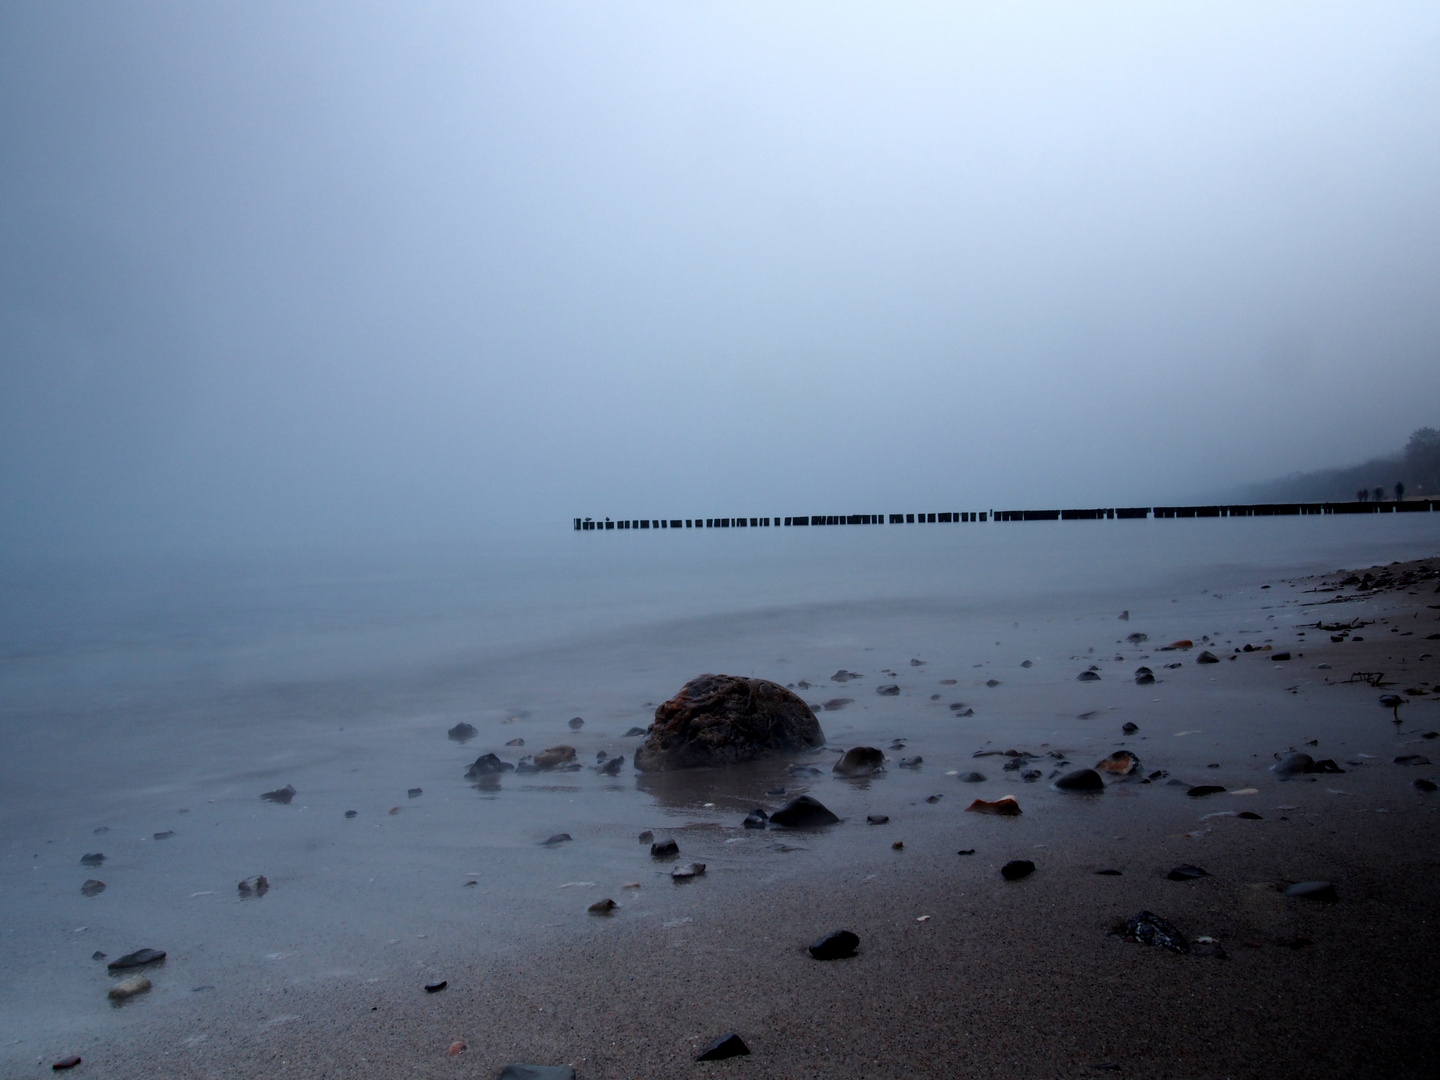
(960, 516)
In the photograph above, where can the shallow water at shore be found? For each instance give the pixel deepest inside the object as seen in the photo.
(143, 700)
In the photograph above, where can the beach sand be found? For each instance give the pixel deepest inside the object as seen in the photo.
(959, 972)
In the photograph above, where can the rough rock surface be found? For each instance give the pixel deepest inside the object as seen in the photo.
(724, 720)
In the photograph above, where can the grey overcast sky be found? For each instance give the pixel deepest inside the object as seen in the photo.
(278, 271)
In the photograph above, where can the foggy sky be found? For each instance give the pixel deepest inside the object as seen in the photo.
(275, 272)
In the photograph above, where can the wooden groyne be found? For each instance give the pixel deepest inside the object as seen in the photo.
(949, 517)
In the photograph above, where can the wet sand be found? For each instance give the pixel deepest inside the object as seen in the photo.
(999, 979)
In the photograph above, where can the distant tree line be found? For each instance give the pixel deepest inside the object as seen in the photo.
(1414, 472)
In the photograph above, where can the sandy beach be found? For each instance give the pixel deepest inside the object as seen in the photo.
(959, 971)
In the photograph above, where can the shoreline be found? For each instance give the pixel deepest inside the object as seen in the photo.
(1003, 978)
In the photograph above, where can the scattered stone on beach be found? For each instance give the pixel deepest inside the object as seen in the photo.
(725, 720)
(837, 945)
(516, 742)
(1016, 869)
(537, 1072)
(352, 813)
(917, 663)
(1280, 656)
(1120, 763)
(1147, 928)
(835, 704)
(259, 887)
(1081, 780)
(1006, 806)
(92, 887)
(612, 766)
(456, 1048)
(415, 792)
(436, 987)
(1107, 871)
(1249, 815)
(166, 835)
(688, 872)
(558, 838)
(775, 791)
(1323, 891)
(554, 756)
(877, 819)
(1426, 784)
(462, 732)
(803, 812)
(912, 762)
(756, 819)
(1129, 728)
(280, 795)
(898, 845)
(888, 690)
(844, 676)
(727, 1046)
(798, 770)
(1296, 764)
(1208, 657)
(94, 858)
(860, 761)
(1187, 872)
(1412, 759)
(665, 849)
(66, 1063)
(1200, 790)
(128, 988)
(97, 955)
(1136, 638)
(1089, 676)
(634, 731)
(602, 907)
(972, 777)
(576, 723)
(138, 958)
(646, 836)
(934, 798)
(992, 683)
(1144, 677)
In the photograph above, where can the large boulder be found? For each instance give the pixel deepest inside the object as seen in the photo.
(724, 720)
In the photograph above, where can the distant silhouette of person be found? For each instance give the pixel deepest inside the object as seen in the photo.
(1399, 491)
(1379, 494)
(1363, 495)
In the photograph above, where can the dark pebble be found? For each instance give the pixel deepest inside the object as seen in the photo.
(1204, 789)
(95, 858)
(992, 683)
(97, 955)
(776, 791)
(1130, 729)
(1314, 890)
(66, 1063)
(633, 732)
(665, 849)
(803, 812)
(877, 819)
(558, 838)
(1280, 656)
(487, 765)
(1249, 815)
(727, 1046)
(138, 958)
(838, 945)
(756, 819)
(1293, 765)
(1147, 928)
(1186, 872)
(1207, 657)
(1016, 869)
(966, 851)
(646, 836)
(1089, 676)
(911, 762)
(972, 778)
(435, 988)
(280, 795)
(415, 792)
(462, 731)
(576, 723)
(1081, 780)
(351, 813)
(1108, 871)
(1412, 759)
(94, 887)
(612, 766)
(1426, 784)
(890, 690)
(934, 799)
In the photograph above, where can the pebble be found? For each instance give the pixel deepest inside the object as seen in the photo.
(280, 795)
(1130, 729)
(776, 791)
(1147, 928)
(911, 762)
(128, 988)
(634, 731)
(436, 987)
(66, 1063)
(1187, 872)
(351, 813)
(972, 778)
(97, 955)
(1089, 676)
(1121, 763)
(1314, 890)
(665, 849)
(1081, 780)
(1208, 657)
(898, 845)
(1201, 790)
(688, 871)
(756, 819)
(415, 792)
(558, 838)
(1016, 869)
(1412, 759)
(934, 798)
(613, 766)
(516, 742)
(1004, 807)
(602, 907)
(537, 1072)
(889, 690)
(1249, 815)
(646, 836)
(1426, 784)
(576, 723)
(138, 958)
(93, 887)
(966, 851)
(837, 945)
(727, 1046)
(803, 812)
(462, 731)
(163, 835)
(456, 1048)
(877, 819)
(1107, 871)
(95, 858)
(992, 683)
